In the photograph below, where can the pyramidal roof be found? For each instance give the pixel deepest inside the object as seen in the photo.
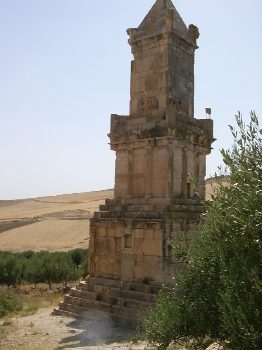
(157, 15)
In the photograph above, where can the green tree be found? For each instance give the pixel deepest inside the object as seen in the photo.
(10, 270)
(51, 268)
(42, 267)
(220, 293)
(78, 256)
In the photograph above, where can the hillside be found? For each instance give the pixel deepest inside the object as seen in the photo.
(55, 223)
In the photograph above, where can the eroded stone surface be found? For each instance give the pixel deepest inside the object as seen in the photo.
(157, 146)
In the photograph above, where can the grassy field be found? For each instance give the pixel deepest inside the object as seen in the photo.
(58, 223)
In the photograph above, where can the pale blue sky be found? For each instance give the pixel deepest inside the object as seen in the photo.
(65, 67)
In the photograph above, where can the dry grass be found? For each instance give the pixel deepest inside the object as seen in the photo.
(32, 299)
(39, 207)
(36, 302)
(51, 235)
(212, 185)
(58, 223)
(31, 304)
(4, 330)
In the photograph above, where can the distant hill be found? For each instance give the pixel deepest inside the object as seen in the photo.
(55, 223)
(213, 183)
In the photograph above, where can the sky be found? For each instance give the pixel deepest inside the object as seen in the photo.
(65, 68)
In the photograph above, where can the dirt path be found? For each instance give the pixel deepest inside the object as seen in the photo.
(43, 331)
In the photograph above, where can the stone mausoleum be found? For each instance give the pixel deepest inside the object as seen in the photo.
(157, 146)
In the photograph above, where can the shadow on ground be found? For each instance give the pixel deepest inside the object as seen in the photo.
(94, 329)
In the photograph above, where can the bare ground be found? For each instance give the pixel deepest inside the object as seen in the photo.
(43, 331)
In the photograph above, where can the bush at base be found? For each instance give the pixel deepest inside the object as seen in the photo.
(220, 294)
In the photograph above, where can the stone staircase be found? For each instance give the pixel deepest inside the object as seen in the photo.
(152, 208)
(122, 300)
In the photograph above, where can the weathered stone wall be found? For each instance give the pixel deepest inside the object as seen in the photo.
(157, 146)
(158, 169)
(131, 249)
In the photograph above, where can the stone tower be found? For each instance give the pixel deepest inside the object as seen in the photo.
(157, 146)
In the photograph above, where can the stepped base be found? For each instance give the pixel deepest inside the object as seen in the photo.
(123, 301)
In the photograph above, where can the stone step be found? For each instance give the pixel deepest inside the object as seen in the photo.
(85, 294)
(184, 208)
(81, 309)
(73, 309)
(115, 295)
(139, 296)
(120, 320)
(107, 306)
(132, 208)
(161, 202)
(137, 201)
(132, 286)
(152, 288)
(122, 299)
(59, 312)
(128, 214)
(87, 285)
(145, 207)
(69, 299)
(143, 215)
(106, 282)
(82, 286)
(103, 207)
(118, 313)
(168, 214)
(125, 312)
(137, 304)
(190, 215)
(143, 287)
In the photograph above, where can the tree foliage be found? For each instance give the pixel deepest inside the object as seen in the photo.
(8, 303)
(220, 293)
(42, 267)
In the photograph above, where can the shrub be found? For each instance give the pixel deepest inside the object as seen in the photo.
(220, 293)
(8, 303)
(10, 270)
(42, 267)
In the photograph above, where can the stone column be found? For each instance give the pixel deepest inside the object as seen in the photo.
(170, 171)
(202, 174)
(130, 172)
(191, 168)
(177, 170)
(148, 175)
(184, 172)
(91, 263)
(197, 168)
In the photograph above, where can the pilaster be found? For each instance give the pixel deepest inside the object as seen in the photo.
(130, 172)
(148, 161)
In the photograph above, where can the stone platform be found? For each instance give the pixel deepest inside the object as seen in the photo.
(123, 301)
(130, 256)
